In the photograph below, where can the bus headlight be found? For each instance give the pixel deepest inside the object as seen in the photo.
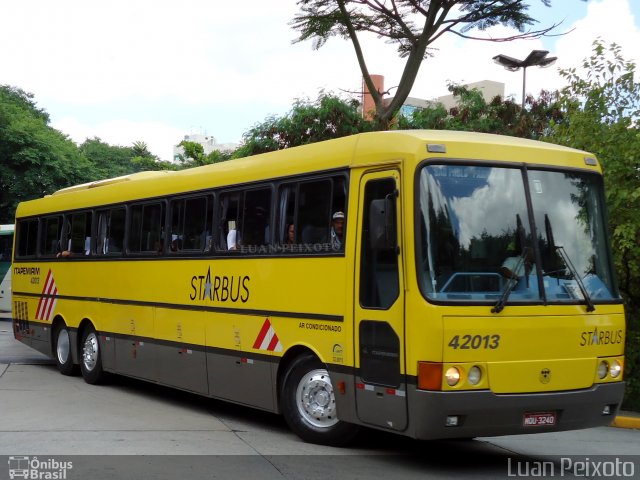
(603, 368)
(615, 369)
(475, 375)
(453, 376)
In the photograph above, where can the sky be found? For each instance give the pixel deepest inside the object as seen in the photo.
(157, 70)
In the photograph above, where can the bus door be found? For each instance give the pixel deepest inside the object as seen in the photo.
(379, 304)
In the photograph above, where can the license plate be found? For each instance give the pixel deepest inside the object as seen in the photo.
(539, 419)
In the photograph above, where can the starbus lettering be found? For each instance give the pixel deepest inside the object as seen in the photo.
(220, 288)
(601, 337)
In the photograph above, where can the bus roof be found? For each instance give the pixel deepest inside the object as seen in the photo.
(353, 151)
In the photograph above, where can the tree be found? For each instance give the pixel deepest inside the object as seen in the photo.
(194, 155)
(36, 159)
(144, 160)
(602, 110)
(325, 118)
(501, 116)
(108, 160)
(412, 25)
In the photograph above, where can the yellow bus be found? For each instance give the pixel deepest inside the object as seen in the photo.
(434, 284)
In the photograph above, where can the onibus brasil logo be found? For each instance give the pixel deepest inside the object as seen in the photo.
(38, 469)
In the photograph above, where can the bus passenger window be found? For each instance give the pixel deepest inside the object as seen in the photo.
(50, 240)
(27, 239)
(286, 210)
(256, 219)
(110, 233)
(229, 209)
(310, 210)
(146, 228)
(80, 235)
(190, 220)
(314, 211)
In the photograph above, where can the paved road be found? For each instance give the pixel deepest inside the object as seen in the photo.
(154, 432)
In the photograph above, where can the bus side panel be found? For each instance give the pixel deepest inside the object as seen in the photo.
(41, 338)
(108, 346)
(234, 373)
(181, 356)
(135, 350)
(25, 329)
(235, 376)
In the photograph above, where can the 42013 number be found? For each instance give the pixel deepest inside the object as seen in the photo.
(475, 342)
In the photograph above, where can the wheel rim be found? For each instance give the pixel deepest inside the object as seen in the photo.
(63, 346)
(90, 352)
(315, 399)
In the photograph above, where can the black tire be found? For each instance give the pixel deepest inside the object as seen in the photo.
(61, 340)
(91, 357)
(308, 404)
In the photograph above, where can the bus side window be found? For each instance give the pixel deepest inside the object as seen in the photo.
(229, 209)
(310, 205)
(146, 228)
(50, 240)
(189, 224)
(286, 211)
(27, 239)
(110, 231)
(256, 220)
(80, 235)
(314, 211)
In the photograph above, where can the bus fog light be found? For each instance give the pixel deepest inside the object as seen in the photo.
(475, 375)
(606, 410)
(453, 376)
(615, 369)
(603, 368)
(452, 421)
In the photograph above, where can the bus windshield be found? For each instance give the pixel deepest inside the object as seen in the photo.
(475, 240)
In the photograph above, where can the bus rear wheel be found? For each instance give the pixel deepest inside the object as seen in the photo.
(308, 404)
(91, 358)
(62, 350)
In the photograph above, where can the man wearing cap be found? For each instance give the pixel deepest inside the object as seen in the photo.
(337, 230)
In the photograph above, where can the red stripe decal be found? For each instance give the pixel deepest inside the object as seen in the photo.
(52, 301)
(263, 333)
(273, 343)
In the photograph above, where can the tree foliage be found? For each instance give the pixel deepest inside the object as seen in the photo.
(114, 160)
(412, 26)
(602, 109)
(193, 155)
(36, 158)
(308, 121)
(501, 116)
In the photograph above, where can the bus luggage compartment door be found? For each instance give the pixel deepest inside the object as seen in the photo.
(379, 305)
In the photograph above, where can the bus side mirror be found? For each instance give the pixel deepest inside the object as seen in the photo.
(382, 224)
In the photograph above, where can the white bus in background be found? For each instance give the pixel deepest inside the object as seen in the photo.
(6, 246)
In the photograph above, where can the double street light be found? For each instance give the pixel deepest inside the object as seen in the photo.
(537, 58)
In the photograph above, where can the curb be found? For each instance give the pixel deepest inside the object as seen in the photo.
(626, 422)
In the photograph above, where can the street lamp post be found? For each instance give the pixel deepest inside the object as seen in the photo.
(537, 58)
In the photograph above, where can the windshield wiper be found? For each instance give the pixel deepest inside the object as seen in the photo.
(511, 282)
(565, 257)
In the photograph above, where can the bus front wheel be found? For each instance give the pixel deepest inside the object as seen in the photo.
(62, 350)
(91, 358)
(309, 406)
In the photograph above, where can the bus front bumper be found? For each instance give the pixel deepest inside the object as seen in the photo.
(467, 414)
